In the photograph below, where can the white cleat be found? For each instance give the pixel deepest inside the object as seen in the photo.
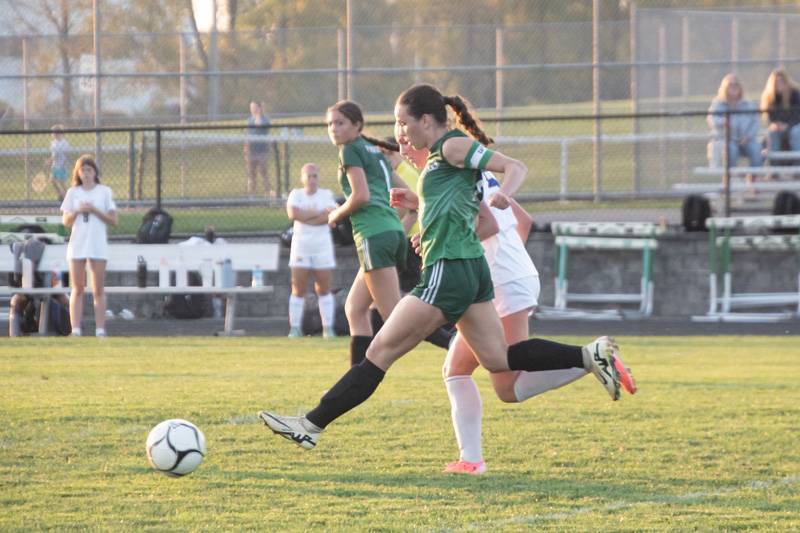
(600, 355)
(294, 428)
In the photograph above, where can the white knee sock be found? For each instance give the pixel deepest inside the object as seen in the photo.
(529, 384)
(296, 305)
(327, 309)
(466, 412)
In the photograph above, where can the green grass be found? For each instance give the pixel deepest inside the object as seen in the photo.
(709, 443)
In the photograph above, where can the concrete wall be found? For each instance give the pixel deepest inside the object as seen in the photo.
(680, 272)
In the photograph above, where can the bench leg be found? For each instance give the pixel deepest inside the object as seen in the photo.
(230, 313)
(712, 294)
(44, 315)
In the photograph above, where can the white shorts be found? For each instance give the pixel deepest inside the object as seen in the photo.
(516, 295)
(320, 258)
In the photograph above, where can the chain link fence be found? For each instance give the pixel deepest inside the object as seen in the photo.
(200, 173)
(531, 81)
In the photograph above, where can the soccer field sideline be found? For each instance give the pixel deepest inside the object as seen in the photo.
(709, 443)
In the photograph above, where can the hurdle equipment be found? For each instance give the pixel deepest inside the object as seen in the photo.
(611, 236)
(751, 236)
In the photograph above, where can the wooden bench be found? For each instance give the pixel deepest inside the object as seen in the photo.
(124, 258)
(751, 235)
(603, 236)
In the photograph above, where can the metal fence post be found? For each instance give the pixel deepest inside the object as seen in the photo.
(131, 165)
(726, 177)
(158, 167)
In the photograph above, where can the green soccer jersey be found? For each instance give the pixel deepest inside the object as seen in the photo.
(448, 206)
(376, 216)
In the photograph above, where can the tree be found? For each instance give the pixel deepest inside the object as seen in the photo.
(62, 18)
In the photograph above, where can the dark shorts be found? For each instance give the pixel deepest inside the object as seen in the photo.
(382, 250)
(453, 285)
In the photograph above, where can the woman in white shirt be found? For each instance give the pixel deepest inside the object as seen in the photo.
(312, 249)
(88, 209)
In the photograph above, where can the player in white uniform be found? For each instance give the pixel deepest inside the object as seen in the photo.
(503, 233)
(88, 209)
(312, 249)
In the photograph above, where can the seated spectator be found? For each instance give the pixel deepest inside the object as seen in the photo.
(780, 102)
(744, 126)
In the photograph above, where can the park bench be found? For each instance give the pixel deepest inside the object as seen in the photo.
(124, 258)
(729, 234)
(603, 236)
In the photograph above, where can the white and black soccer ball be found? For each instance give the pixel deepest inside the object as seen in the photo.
(176, 447)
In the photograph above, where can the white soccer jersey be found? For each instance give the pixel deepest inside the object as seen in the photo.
(308, 234)
(505, 252)
(89, 236)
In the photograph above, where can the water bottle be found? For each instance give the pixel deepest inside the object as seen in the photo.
(258, 277)
(141, 273)
(27, 273)
(227, 273)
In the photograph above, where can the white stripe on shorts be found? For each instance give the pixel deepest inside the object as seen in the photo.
(365, 252)
(429, 294)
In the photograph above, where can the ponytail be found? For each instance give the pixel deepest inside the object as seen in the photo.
(465, 119)
(386, 145)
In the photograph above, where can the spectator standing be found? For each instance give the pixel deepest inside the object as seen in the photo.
(58, 160)
(88, 209)
(312, 250)
(256, 149)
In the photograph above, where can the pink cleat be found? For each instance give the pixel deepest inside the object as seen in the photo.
(465, 467)
(625, 375)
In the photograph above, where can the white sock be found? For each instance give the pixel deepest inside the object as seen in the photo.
(327, 309)
(530, 384)
(76, 332)
(296, 305)
(99, 332)
(466, 412)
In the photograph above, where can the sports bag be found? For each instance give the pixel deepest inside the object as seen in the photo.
(695, 210)
(156, 227)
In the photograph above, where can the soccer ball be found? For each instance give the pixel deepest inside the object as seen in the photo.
(176, 447)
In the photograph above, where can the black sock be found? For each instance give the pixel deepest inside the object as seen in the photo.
(352, 389)
(441, 337)
(539, 354)
(376, 321)
(358, 348)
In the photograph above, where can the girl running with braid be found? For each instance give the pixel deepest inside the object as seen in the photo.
(456, 285)
(366, 177)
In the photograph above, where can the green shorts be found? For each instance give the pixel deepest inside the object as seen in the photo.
(453, 285)
(382, 250)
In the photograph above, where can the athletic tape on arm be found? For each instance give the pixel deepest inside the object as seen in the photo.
(477, 156)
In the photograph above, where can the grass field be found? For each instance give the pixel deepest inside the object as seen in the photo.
(709, 443)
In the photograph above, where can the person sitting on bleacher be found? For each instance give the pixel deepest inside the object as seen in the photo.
(780, 102)
(744, 126)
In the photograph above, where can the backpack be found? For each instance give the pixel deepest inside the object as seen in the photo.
(156, 227)
(188, 306)
(342, 233)
(696, 209)
(286, 236)
(57, 317)
(786, 203)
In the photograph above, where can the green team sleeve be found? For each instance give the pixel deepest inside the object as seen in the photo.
(352, 156)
